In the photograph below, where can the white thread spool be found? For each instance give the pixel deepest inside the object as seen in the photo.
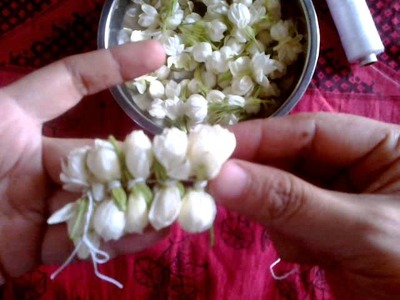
(357, 30)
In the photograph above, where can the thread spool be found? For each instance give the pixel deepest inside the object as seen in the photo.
(358, 33)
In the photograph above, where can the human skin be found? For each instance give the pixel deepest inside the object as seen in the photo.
(327, 188)
(326, 185)
(30, 188)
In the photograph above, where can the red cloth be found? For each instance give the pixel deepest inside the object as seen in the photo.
(36, 32)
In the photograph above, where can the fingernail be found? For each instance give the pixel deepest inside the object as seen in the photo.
(230, 183)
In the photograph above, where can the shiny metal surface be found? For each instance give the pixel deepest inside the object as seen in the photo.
(111, 23)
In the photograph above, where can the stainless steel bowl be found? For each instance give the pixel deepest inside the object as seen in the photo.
(111, 24)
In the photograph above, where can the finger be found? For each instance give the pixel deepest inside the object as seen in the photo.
(300, 212)
(52, 90)
(320, 145)
(55, 150)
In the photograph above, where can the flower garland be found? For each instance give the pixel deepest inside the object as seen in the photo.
(226, 60)
(127, 187)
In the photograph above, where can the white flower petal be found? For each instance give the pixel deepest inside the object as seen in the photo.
(103, 162)
(136, 213)
(165, 207)
(209, 147)
(138, 154)
(109, 221)
(63, 214)
(198, 211)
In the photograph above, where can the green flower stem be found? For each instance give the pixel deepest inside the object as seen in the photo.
(83, 204)
(125, 175)
(120, 198)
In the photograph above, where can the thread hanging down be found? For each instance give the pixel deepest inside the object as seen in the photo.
(357, 30)
(279, 277)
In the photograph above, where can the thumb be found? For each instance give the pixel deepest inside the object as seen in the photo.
(288, 205)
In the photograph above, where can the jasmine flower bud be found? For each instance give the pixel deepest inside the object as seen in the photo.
(138, 35)
(156, 89)
(280, 30)
(239, 15)
(149, 17)
(240, 66)
(109, 221)
(216, 63)
(201, 51)
(157, 109)
(170, 148)
(235, 100)
(138, 154)
(198, 211)
(209, 148)
(192, 18)
(176, 18)
(215, 96)
(196, 108)
(74, 174)
(174, 108)
(103, 162)
(172, 89)
(242, 85)
(215, 30)
(162, 72)
(137, 212)
(166, 206)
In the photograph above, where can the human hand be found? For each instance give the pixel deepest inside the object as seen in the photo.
(327, 188)
(30, 188)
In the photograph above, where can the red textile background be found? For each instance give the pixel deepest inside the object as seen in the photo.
(34, 33)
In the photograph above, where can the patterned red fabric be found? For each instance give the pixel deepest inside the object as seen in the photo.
(34, 33)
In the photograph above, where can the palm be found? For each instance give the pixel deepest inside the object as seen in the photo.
(29, 163)
(24, 187)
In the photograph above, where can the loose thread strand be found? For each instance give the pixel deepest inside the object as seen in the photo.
(279, 277)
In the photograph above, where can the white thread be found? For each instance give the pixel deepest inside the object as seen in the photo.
(133, 182)
(200, 185)
(67, 261)
(279, 277)
(102, 276)
(114, 184)
(357, 30)
(98, 256)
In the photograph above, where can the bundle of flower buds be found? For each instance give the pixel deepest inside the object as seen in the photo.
(226, 60)
(126, 187)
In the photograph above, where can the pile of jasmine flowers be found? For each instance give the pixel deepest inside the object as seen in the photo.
(224, 58)
(129, 186)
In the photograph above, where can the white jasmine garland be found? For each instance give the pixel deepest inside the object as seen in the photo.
(148, 187)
